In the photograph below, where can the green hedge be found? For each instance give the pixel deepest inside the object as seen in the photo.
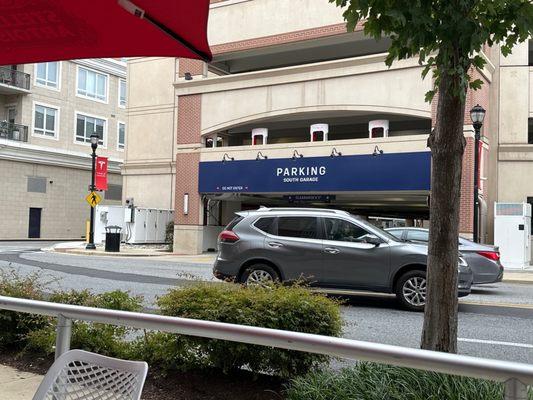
(104, 339)
(369, 381)
(277, 307)
(14, 326)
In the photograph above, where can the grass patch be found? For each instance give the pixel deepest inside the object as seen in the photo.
(370, 381)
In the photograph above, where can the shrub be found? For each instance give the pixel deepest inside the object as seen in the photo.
(104, 339)
(15, 325)
(370, 381)
(277, 307)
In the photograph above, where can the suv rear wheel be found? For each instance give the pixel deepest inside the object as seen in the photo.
(258, 274)
(411, 290)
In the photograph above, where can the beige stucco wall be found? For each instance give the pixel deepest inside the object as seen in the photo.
(515, 181)
(149, 168)
(400, 144)
(360, 84)
(259, 18)
(64, 210)
(151, 190)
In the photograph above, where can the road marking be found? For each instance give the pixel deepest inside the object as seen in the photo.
(496, 342)
(503, 305)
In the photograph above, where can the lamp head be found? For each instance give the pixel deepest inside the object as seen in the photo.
(94, 141)
(477, 114)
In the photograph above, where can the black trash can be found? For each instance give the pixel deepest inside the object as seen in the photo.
(112, 238)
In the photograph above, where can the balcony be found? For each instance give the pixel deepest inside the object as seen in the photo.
(15, 132)
(13, 81)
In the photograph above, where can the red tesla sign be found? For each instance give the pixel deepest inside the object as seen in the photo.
(100, 174)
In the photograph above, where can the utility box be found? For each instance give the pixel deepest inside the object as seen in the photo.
(512, 234)
(106, 216)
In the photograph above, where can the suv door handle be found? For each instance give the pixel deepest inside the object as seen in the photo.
(275, 245)
(332, 250)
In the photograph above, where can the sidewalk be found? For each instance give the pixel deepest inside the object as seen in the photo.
(78, 248)
(17, 385)
(518, 276)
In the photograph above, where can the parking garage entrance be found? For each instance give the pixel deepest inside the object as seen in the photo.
(393, 185)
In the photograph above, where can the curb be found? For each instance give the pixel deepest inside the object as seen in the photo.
(103, 254)
(521, 281)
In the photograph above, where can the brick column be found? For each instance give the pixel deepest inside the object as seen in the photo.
(188, 229)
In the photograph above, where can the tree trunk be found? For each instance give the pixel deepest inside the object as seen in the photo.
(447, 145)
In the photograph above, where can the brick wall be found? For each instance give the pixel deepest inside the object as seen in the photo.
(189, 119)
(467, 189)
(289, 37)
(187, 164)
(195, 67)
(187, 182)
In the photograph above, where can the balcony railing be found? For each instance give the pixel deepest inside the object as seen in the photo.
(14, 78)
(13, 131)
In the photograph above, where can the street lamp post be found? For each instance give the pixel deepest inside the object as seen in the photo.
(94, 145)
(477, 114)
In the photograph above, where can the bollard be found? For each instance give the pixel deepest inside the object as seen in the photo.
(63, 333)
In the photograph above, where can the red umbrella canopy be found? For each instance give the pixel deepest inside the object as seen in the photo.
(49, 30)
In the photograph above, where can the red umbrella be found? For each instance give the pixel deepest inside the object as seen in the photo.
(49, 30)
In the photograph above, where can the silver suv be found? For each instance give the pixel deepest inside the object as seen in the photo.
(331, 249)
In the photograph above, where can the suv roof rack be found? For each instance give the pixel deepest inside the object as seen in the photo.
(325, 210)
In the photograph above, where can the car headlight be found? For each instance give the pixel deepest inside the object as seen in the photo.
(462, 262)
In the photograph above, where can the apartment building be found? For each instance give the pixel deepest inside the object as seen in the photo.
(294, 110)
(48, 111)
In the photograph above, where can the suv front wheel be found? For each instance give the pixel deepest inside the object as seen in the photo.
(411, 290)
(259, 274)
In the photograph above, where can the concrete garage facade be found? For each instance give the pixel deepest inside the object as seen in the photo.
(194, 123)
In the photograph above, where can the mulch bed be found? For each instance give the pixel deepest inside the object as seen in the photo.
(200, 385)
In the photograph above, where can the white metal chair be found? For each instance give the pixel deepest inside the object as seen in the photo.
(80, 375)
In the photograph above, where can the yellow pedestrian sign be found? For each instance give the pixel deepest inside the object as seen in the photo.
(93, 199)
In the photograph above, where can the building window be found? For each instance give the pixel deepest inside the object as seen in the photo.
(36, 184)
(47, 74)
(86, 126)
(45, 121)
(122, 93)
(113, 192)
(121, 135)
(92, 84)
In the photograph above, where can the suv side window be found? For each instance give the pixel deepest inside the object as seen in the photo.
(266, 224)
(300, 227)
(344, 231)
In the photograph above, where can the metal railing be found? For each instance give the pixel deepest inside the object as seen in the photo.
(516, 376)
(13, 77)
(13, 131)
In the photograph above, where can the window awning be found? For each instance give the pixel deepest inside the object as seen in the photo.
(45, 30)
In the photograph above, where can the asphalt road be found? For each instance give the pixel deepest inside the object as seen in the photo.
(500, 330)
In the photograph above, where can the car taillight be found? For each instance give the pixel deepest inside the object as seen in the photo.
(491, 255)
(228, 237)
